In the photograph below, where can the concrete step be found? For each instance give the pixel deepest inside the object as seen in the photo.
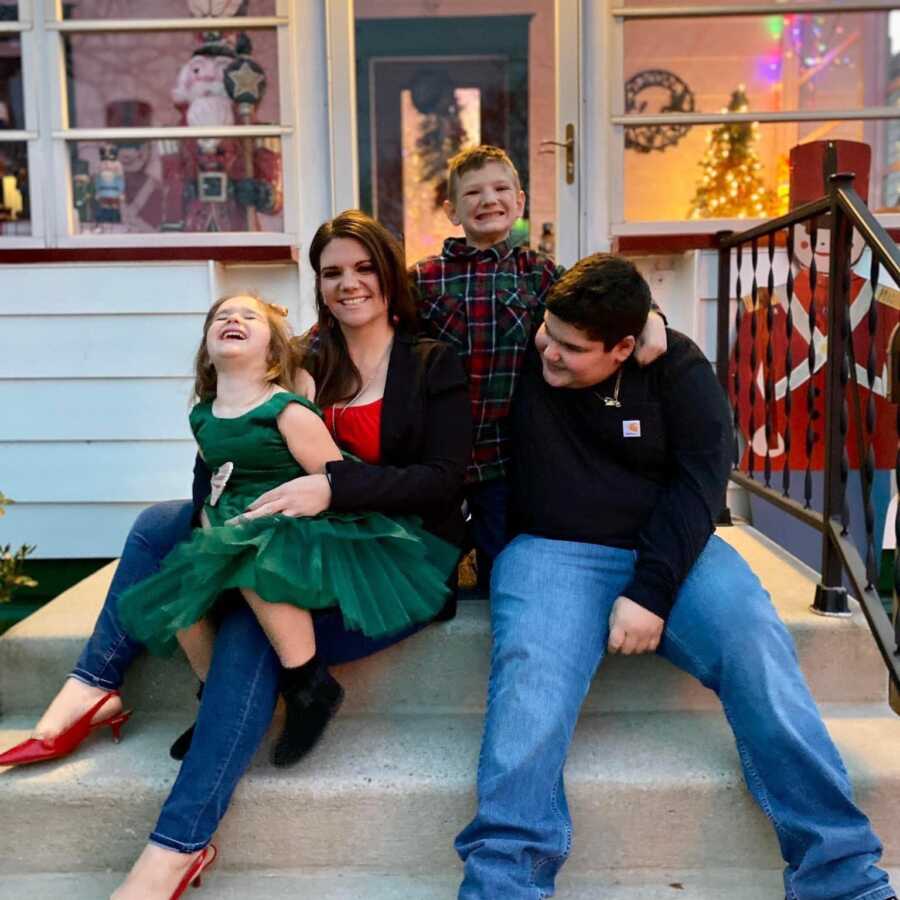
(649, 790)
(640, 884)
(445, 667)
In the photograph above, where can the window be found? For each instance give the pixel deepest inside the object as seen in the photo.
(151, 122)
(711, 103)
(15, 197)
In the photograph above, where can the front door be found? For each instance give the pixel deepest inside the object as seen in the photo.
(434, 76)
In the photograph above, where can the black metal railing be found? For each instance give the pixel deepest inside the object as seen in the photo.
(766, 414)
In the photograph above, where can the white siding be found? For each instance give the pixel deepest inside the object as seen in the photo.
(95, 384)
(99, 471)
(69, 531)
(110, 288)
(81, 409)
(98, 346)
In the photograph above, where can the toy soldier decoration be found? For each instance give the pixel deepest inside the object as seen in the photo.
(142, 203)
(109, 187)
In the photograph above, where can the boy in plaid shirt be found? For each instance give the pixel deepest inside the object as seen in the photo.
(486, 297)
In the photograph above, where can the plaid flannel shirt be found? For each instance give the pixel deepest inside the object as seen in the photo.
(485, 303)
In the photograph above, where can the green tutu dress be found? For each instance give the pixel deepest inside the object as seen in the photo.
(384, 573)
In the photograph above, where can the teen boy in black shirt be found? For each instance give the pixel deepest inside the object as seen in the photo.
(620, 473)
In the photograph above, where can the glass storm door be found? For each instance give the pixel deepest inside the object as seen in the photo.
(425, 78)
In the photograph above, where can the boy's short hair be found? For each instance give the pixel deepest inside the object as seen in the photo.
(603, 295)
(473, 158)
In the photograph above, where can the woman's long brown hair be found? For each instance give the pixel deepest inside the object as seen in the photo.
(336, 376)
(281, 358)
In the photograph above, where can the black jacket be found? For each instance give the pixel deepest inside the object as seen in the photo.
(426, 441)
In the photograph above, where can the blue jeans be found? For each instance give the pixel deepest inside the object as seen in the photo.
(724, 631)
(241, 688)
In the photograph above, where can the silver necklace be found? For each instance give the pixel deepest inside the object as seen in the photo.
(614, 400)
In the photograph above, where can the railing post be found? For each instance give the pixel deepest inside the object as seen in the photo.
(893, 690)
(723, 309)
(723, 318)
(831, 595)
(894, 397)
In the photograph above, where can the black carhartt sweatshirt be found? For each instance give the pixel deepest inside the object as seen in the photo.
(649, 475)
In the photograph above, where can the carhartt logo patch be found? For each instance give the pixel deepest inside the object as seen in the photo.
(631, 428)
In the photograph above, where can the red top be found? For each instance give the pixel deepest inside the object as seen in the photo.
(357, 429)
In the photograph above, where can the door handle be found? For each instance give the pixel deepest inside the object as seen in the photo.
(549, 146)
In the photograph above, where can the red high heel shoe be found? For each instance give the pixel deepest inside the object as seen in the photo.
(39, 749)
(194, 874)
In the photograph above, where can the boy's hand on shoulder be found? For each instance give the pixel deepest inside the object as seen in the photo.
(652, 341)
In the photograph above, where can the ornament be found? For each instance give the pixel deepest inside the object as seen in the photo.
(245, 81)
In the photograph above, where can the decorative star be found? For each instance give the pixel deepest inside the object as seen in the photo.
(246, 82)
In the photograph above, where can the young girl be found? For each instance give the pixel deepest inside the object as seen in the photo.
(383, 573)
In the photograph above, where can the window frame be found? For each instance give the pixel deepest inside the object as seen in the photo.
(617, 120)
(23, 26)
(47, 132)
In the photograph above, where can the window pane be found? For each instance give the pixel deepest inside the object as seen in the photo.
(219, 184)
(12, 109)
(797, 61)
(15, 205)
(788, 4)
(168, 78)
(9, 12)
(430, 85)
(712, 169)
(162, 9)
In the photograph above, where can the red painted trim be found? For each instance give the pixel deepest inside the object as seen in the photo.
(679, 243)
(147, 254)
(662, 243)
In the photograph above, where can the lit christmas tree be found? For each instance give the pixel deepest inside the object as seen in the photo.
(731, 186)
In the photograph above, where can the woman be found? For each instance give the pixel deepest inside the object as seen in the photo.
(381, 388)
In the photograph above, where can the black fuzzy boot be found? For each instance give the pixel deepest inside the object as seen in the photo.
(182, 744)
(311, 698)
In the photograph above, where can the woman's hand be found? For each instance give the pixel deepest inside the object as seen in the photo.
(307, 495)
(652, 341)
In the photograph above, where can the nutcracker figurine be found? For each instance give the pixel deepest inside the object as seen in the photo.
(219, 184)
(109, 187)
(142, 203)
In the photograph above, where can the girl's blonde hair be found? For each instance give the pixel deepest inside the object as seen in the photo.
(281, 357)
